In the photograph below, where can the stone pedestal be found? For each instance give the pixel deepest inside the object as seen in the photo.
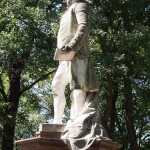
(48, 138)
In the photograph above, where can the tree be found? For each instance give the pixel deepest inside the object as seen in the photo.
(122, 33)
(120, 46)
(26, 50)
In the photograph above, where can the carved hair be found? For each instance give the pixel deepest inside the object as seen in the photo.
(70, 2)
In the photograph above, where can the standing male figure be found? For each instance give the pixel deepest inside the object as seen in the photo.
(79, 72)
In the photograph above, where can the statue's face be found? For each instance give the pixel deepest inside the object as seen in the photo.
(69, 2)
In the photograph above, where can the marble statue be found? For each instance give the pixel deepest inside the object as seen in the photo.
(76, 68)
(79, 72)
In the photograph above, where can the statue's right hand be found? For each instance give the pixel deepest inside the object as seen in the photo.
(65, 48)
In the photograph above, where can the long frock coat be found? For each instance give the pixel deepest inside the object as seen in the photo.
(74, 33)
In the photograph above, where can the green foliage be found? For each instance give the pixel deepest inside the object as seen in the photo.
(120, 43)
(120, 46)
(27, 35)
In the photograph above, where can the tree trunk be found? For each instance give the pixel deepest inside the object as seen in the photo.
(113, 116)
(129, 114)
(108, 106)
(11, 112)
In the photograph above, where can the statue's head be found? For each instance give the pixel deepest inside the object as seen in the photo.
(70, 2)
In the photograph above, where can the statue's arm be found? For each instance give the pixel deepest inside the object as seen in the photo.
(82, 15)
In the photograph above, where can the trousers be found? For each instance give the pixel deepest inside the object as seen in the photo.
(78, 97)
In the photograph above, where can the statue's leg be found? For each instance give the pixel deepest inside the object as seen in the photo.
(78, 98)
(59, 82)
(72, 110)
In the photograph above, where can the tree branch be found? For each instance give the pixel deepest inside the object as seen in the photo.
(36, 81)
(4, 94)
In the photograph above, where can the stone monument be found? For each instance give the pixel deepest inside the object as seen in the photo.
(83, 131)
(76, 68)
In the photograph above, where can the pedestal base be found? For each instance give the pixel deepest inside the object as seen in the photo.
(48, 138)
